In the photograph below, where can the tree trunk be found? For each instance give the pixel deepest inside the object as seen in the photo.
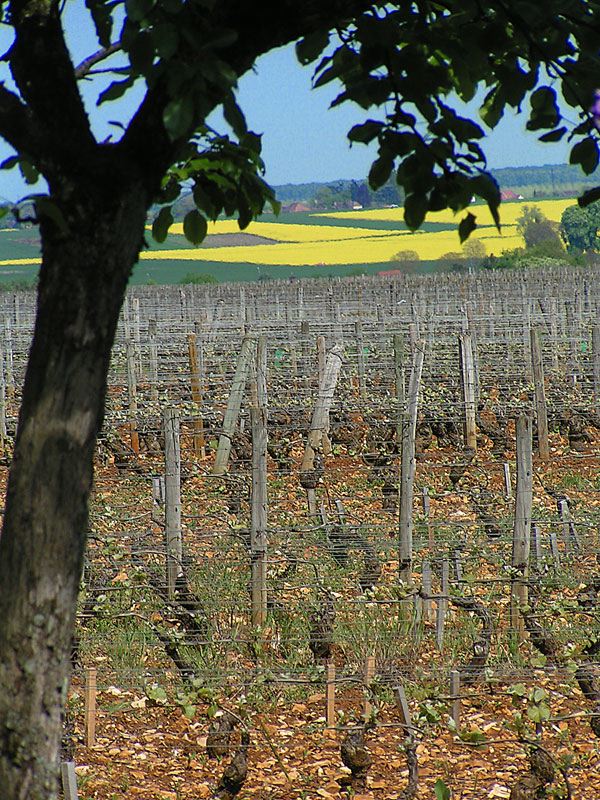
(82, 283)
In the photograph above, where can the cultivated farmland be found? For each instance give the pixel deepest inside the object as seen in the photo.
(341, 517)
(302, 245)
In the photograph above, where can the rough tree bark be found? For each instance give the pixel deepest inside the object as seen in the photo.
(44, 533)
(103, 192)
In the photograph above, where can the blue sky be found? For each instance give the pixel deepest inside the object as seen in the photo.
(303, 140)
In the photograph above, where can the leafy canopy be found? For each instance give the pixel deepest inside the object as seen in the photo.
(405, 64)
(579, 228)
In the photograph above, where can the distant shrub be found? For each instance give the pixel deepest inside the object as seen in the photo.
(22, 285)
(192, 277)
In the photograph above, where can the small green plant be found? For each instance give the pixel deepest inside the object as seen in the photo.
(573, 481)
(442, 792)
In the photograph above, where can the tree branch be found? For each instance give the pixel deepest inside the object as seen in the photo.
(260, 28)
(16, 124)
(43, 71)
(86, 65)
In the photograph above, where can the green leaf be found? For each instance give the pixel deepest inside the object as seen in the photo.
(553, 136)
(234, 116)
(28, 171)
(585, 153)
(493, 107)
(46, 207)
(178, 116)
(101, 14)
(311, 47)
(473, 737)
(194, 226)
(365, 132)
(539, 713)
(518, 690)
(138, 10)
(141, 53)
(589, 197)
(115, 90)
(9, 162)
(486, 186)
(157, 694)
(380, 171)
(539, 694)
(442, 792)
(544, 109)
(162, 223)
(166, 40)
(415, 208)
(466, 227)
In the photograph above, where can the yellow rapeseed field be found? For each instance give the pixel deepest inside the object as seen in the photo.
(509, 212)
(305, 244)
(284, 232)
(364, 249)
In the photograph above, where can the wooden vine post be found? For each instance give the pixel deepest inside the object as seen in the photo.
(90, 706)
(195, 356)
(153, 358)
(541, 414)
(234, 404)
(258, 523)
(318, 425)
(132, 394)
(399, 382)
(8, 360)
(408, 466)
(173, 537)
(360, 351)
(467, 372)
(69, 780)
(596, 363)
(522, 523)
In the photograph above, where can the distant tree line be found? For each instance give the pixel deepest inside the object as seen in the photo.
(549, 179)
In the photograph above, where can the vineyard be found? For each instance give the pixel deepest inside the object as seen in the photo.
(344, 540)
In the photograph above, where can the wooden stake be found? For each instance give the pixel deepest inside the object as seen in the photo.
(402, 704)
(442, 605)
(368, 677)
(467, 371)
(69, 780)
(132, 394)
(455, 696)
(153, 356)
(321, 357)
(234, 404)
(427, 515)
(596, 364)
(320, 417)
(407, 468)
(90, 706)
(360, 344)
(258, 524)
(330, 695)
(197, 395)
(174, 542)
(536, 545)
(537, 366)
(507, 481)
(8, 359)
(569, 532)
(522, 523)
(399, 382)
(427, 608)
